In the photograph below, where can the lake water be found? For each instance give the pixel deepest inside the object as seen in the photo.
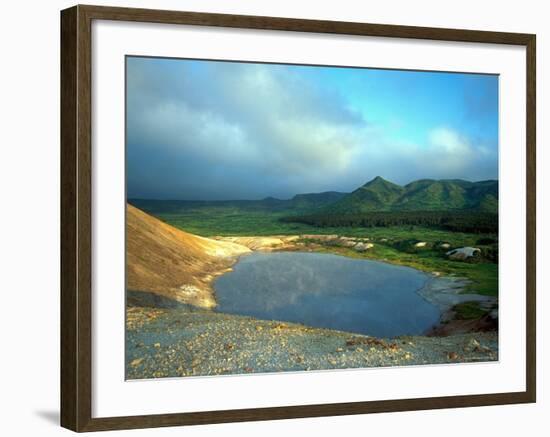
(328, 291)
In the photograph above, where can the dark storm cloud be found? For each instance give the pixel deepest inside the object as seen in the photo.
(218, 130)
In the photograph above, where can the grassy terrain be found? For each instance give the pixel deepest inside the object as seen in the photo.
(235, 220)
(469, 311)
(484, 275)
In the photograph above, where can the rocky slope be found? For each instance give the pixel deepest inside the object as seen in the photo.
(172, 263)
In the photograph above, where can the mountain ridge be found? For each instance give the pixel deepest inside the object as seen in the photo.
(376, 195)
(379, 195)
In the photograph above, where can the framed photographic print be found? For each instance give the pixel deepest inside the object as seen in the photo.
(268, 218)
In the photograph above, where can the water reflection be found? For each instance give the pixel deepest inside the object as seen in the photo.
(328, 291)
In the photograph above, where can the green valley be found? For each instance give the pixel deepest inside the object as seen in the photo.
(440, 215)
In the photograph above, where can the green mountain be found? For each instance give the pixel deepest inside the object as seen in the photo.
(300, 203)
(422, 195)
(376, 195)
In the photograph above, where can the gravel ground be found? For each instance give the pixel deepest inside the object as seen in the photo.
(182, 341)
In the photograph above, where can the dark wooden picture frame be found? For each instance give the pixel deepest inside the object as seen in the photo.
(76, 217)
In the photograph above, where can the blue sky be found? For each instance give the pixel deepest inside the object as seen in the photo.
(207, 130)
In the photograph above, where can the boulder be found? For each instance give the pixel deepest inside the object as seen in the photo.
(319, 237)
(463, 253)
(347, 242)
(362, 247)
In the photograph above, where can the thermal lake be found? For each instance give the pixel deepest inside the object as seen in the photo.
(328, 291)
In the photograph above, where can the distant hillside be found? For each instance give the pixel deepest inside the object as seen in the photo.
(378, 195)
(300, 203)
(172, 263)
(316, 200)
(422, 195)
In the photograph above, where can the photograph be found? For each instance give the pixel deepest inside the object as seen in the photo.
(288, 218)
(275, 218)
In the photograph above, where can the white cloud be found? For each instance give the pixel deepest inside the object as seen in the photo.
(447, 141)
(278, 123)
(258, 128)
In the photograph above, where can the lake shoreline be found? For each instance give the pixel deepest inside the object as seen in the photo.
(187, 341)
(443, 291)
(446, 292)
(327, 290)
(173, 328)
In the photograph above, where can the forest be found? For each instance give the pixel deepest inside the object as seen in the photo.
(457, 221)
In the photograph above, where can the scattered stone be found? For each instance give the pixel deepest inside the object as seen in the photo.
(463, 253)
(233, 345)
(472, 345)
(330, 237)
(189, 290)
(136, 362)
(452, 356)
(363, 247)
(347, 243)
